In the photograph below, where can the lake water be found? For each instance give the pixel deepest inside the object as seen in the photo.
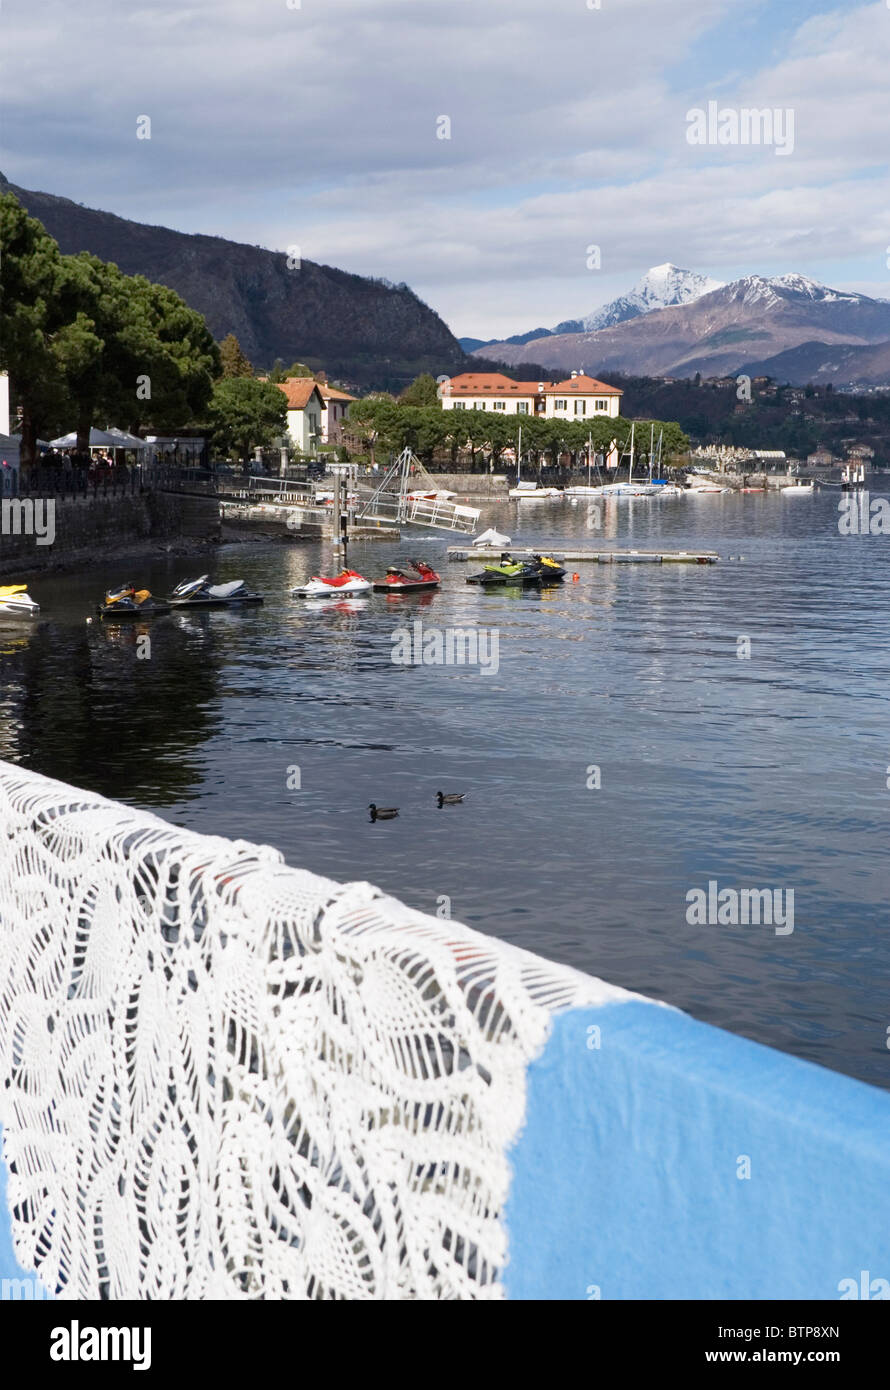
(767, 771)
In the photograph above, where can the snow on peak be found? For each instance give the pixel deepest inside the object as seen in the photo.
(662, 287)
(770, 289)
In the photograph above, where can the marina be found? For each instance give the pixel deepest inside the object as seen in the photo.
(584, 554)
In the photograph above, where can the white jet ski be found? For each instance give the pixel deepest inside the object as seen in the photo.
(347, 582)
(199, 593)
(16, 602)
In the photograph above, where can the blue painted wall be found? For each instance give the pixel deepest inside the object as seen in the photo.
(9, 1267)
(629, 1174)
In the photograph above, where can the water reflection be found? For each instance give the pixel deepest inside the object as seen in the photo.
(769, 771)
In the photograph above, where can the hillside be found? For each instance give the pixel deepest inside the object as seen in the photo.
(752, 320)
(363, 331)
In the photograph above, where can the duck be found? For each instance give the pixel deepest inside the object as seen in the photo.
(383, 812)
(449, 798)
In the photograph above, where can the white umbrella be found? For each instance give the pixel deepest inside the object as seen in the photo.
(99, 439)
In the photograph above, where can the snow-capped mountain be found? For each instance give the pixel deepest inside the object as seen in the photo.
(748, 321)
(662, 287)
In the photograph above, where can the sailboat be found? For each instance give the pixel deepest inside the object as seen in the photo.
(663, 488)
(630, 488)
(529, 492)
(589, 490)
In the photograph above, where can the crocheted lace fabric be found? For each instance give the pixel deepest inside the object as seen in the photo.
(221, 1077)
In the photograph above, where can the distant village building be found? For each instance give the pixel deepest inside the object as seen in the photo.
(579, 397)
(820, 458)
(305, 409)
(491, 391)
(336, 404)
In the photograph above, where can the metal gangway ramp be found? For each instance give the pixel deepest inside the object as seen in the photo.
(392, 501)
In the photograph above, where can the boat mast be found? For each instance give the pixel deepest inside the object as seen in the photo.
(630, 472)
(651, 446)
(519, 456)
(589, 454)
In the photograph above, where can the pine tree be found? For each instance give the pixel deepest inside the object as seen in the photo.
(234, 362)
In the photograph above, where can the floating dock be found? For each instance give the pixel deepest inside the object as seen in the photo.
(586, 555)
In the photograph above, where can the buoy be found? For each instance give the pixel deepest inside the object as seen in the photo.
(575, 578)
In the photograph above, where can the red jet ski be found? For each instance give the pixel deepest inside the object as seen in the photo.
(411, 579)
(346, 582)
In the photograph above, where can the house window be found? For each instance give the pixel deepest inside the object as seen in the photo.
(580, 407)
(459, 405)
(499, 405)
(522, 407)
(560, 405)
(601, 405)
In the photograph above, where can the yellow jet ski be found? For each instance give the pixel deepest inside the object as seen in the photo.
(16, 602)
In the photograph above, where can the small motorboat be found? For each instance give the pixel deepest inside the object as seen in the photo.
(669, 490)
(199, 593)
(130, 602)
(412, 578)
(798, 490)
(320, 586)
(530, 492)
(697, 488)
(16, 602)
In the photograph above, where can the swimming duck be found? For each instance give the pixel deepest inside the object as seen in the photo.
(449, 798)
(383, 812)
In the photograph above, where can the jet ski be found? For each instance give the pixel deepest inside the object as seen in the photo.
(509, 571)
(412, 578)
(130, 602)
(16, 602)
(198, 593)
(551, 571)
(346, 582)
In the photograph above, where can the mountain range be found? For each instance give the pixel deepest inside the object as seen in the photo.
(788, 327)
(661, 287)
(366, 332)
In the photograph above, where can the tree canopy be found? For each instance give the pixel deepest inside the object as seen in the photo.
(422, 391)
(244, 413)
(86, 345)
(393, 425)
(232, 359)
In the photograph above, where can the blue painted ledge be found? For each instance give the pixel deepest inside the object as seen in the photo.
(9, 1267)
(629, 1172)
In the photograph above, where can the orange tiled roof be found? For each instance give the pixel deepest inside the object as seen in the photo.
(298, 390)
(330, 393)
(582, 385)
(483, 383)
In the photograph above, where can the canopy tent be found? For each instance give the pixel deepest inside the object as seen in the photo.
(102, 439)
(125, 440)
(98, 440)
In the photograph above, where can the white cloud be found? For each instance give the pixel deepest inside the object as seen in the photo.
(318, 126)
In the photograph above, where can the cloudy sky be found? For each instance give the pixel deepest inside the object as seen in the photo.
(317, 123)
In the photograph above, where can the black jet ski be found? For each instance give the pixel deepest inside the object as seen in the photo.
(130, 602)
(508, 571)
(199, 593)
(551, 571)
